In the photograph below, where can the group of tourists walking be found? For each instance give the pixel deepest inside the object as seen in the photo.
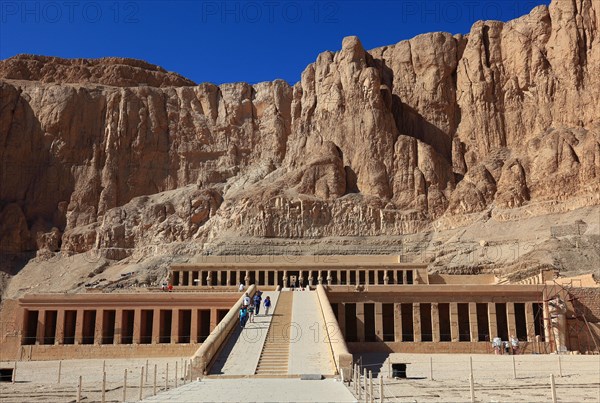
(251, 307)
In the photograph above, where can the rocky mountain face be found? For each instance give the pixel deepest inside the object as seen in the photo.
(113, 71)
(115, 155)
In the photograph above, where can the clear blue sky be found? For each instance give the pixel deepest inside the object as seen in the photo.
(230, 41)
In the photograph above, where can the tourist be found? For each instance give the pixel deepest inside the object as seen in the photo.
(267, 304)
(507, 347)
(243, 316)
(251, 312)
(241, 288)
(257, 300)
(246, 300)
(515, 344)
(497, 344)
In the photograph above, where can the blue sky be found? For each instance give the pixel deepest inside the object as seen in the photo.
(230, 41)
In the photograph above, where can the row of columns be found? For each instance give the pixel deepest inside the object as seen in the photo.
(435, 321)
(114, 328)
(304, 277)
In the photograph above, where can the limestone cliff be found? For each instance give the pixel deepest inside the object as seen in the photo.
(116, 155)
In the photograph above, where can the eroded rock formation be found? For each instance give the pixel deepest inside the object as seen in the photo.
(115, 154)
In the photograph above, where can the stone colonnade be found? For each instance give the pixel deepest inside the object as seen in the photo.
(296, 277)
(439, 322)
(174, 320)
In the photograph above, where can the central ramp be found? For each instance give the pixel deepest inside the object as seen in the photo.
(292, 340)
(275, 353)
(241, 351)
(310, 350)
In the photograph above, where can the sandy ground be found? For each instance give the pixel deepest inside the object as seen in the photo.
(493, 379)
(37, 381)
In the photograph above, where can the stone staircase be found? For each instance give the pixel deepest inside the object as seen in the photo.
(275, 353)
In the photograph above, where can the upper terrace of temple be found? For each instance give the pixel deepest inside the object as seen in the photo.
(309, 271)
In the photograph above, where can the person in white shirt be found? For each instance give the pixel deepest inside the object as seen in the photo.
(241, 288)
(246, 300)
(514, 342)
(497, 344)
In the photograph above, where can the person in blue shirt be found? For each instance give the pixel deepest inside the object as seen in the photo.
(267, 304)
(243, 316)
(257, 300)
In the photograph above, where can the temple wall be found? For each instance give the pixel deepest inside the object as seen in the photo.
(62, 352)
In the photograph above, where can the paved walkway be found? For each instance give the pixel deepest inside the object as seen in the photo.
(242, 349)
(257, 390)
(310, 352)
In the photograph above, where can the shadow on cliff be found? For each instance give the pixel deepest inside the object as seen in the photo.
(411, 123)
(32, 178)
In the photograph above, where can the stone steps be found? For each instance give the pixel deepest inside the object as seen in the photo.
(275, 352)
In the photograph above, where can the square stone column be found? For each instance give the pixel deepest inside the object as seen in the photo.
(492, 320)
(395, 276)
(547, 320)
(348, 277)
(137, 325)
(454, 321)
(342, 318)
(98, 326)
(473, 326)
(360, 321)
(510, 319)
(530, 320)
(41, 327)
(379, 321)
(60, 326)
(213, 319)
(118, 326)
(397, 322)
(404, 277)
(79, 327)
(194, 327)
(417, 321)
(155, 326)
(175, 326)
(435, 322)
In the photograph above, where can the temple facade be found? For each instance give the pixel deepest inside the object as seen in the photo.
(379, 304)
